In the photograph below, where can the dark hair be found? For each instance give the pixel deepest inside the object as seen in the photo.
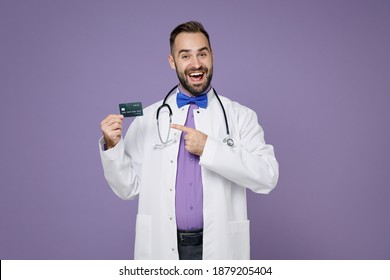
(189, 27)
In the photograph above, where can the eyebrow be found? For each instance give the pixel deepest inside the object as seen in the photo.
(199, 50)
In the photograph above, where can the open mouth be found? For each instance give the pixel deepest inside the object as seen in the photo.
(196, 76)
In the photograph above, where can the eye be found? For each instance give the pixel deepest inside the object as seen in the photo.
(185, 57)
(203, 54)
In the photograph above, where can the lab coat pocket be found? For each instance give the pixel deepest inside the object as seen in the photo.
(239, 240)
(143, 237)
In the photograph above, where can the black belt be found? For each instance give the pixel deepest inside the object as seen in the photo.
(190, 237)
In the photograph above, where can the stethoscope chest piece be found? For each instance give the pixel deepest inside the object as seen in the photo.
(229, 141)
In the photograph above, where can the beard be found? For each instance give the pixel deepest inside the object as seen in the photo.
(196, 89)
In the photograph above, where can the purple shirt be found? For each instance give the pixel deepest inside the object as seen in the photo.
(189, 187)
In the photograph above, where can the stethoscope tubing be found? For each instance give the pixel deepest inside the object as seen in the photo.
(228, 140)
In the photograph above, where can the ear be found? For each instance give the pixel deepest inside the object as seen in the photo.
(171, 62)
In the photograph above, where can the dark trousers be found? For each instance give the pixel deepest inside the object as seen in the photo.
(190, 244)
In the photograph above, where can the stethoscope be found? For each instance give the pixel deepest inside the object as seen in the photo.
(229, 141)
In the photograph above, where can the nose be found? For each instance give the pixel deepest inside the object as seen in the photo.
(196, 62)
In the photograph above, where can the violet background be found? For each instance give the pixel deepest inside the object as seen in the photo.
(316, 72)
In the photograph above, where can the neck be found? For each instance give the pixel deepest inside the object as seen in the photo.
(183, 90)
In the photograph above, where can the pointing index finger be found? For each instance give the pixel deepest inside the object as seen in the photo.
(181, 128)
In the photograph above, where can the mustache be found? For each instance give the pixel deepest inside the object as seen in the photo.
(193, 69)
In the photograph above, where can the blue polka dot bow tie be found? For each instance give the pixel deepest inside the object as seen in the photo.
(200, 100)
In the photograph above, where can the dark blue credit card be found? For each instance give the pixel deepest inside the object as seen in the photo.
(133, 109)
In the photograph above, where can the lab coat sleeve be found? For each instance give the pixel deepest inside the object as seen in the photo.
(122, 163)
(250, 162)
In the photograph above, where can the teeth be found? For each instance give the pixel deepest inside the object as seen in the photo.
(196, 74)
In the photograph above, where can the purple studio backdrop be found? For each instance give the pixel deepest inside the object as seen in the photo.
(316, 72)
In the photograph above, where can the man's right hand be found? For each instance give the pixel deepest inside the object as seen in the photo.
(111, 127)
